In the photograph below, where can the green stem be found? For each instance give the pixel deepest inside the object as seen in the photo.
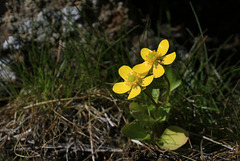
(150, 97)
(168, 89)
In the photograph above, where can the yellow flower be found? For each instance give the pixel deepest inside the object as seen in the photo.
(133, 82)
(155, 59)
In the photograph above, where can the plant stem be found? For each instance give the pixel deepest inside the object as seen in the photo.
(168, 89)
(150, 97)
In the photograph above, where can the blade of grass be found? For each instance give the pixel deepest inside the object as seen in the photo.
(202, 36)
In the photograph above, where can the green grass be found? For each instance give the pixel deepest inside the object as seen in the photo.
(70, 67)
(206, 104)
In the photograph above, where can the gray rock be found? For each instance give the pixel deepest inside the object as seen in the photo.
(6, 74)
(12, 43)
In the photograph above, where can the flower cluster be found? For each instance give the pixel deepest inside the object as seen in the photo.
(135, 79)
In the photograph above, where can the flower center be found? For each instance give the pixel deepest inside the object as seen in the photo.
(152, 56)
(131, 78)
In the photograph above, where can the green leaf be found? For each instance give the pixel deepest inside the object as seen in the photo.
(155, 94)
(138, 112)
(173, 78)
(161, 115)
(134, 107)
(151, 108)
(173, 138)
(134, 131)
(167, 107)
(141, 114)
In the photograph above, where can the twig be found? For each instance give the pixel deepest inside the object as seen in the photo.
(115, 103)
(95, 151)
(206, 138)
(87, 148)
(112, 124)
(91, 141)
(52, 101)
(58, 55)
(110, 157)
(24, 133)
(52, 139)
(67, 149)
(79, 129)
(19, 143)
(98, 114)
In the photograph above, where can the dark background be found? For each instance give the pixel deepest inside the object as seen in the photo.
(220, 18)
(2, 7)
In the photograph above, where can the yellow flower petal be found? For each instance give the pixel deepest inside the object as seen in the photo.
(146, 81)
(144, 53)
(136, 90)
(168, 59)
(163, 47)
(121, 88)
(124, 71)
(142, 68)
(158, 70)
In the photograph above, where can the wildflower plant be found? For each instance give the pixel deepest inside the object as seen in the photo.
(151, 117)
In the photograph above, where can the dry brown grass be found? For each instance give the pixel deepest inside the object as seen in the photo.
(80, 127)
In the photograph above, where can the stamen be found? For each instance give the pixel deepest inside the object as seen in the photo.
(131, 78)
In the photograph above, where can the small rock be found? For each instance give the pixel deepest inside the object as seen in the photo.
(12, 43)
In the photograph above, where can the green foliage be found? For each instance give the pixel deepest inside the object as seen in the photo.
(134, 131)
(155, 94)
(149, 121)
(173, 138)
(68, 68)
(148, 125)
(173, 78)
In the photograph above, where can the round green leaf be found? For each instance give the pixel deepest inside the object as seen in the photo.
(134, 131)
(173, 138)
